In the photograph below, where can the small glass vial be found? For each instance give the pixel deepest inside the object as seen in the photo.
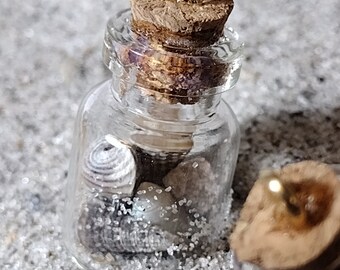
(154, 153)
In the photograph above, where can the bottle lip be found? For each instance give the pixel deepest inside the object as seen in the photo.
(119, 33)
(215, 66)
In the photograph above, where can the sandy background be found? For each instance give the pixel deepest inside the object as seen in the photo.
(287, 102)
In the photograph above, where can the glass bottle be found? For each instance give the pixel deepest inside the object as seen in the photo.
(151, 168)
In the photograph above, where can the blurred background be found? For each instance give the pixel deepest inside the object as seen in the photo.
(287, 102)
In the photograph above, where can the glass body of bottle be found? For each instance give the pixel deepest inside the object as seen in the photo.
(152, 168)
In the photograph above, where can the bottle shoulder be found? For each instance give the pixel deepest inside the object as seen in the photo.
(97, 94)
(99, 110)
(222, 118)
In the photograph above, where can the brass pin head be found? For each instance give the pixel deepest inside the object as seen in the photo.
(283, 192)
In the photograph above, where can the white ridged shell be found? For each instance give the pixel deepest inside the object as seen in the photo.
(137, 237)
(110, 166)
(102, 229)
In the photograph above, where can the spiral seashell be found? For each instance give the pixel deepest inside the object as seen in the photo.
(103, 228)
(137, 237)
(156, 206)
(110, 167)
(95, 215)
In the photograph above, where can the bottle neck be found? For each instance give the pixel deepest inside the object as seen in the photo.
(179, 84)
(164, 107)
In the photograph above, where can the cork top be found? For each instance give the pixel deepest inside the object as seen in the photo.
(181, 23)
(171, 76)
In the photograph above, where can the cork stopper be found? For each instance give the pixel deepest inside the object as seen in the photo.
(181, 23)
(291, 220)
(180, 67)
(173, 72)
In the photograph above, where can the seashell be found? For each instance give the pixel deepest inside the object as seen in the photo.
(158, 155)
(95, 215)
(195, 181)
(110, 166)
(137, 237)
(103, 228)
(152, 204)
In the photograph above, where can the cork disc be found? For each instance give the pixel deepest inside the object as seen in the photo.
(260, 238)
